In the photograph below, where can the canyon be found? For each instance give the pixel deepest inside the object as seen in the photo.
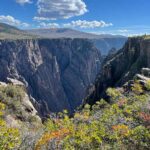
(56, 71)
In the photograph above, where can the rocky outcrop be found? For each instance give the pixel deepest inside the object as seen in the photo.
(19, 111)
(56, 72)
(122, 67)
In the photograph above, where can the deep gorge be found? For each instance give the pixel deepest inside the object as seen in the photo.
(56, 72)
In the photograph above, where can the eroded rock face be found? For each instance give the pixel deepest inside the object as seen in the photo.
(122, 67)
(55, 72)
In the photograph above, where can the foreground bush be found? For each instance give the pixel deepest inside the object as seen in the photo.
(9, 137)
(122, 124)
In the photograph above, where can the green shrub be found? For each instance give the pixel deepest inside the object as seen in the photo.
(147, 85)
(120, 125)
(9, 137)
(113, 93)
(14, 92)
(107, 126)
(137, 88)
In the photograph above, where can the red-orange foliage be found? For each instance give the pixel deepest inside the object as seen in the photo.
(49, 136)
(144, 116)
(121, 102)
(122, 130)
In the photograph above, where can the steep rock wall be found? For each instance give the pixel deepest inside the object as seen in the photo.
(55, 71)
(121, 67)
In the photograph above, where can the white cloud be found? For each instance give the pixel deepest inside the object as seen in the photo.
(74, 24)
(123, 31)
(22, 2)
(60, 9)
(40, 19)
(87, 24)
(12, 21)
(48, 25)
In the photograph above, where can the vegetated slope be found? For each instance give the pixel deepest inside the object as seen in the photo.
(120, 124)
(10, 32)
(19, 121)
(19, 111)
(103, 42)
(122, 66)
(56, 72)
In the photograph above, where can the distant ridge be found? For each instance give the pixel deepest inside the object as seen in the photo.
(7, 28)
(11, 32)
(69, 33)
(103, 42)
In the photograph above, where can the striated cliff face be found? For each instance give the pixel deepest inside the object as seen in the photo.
(121, 67)
(56, 72)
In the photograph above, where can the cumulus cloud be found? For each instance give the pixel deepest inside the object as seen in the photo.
(48, 25)
(88, 24)
(22, 2)
(60, 9)
(12, 21)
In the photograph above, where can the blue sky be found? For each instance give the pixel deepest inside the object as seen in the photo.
(126, 17)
